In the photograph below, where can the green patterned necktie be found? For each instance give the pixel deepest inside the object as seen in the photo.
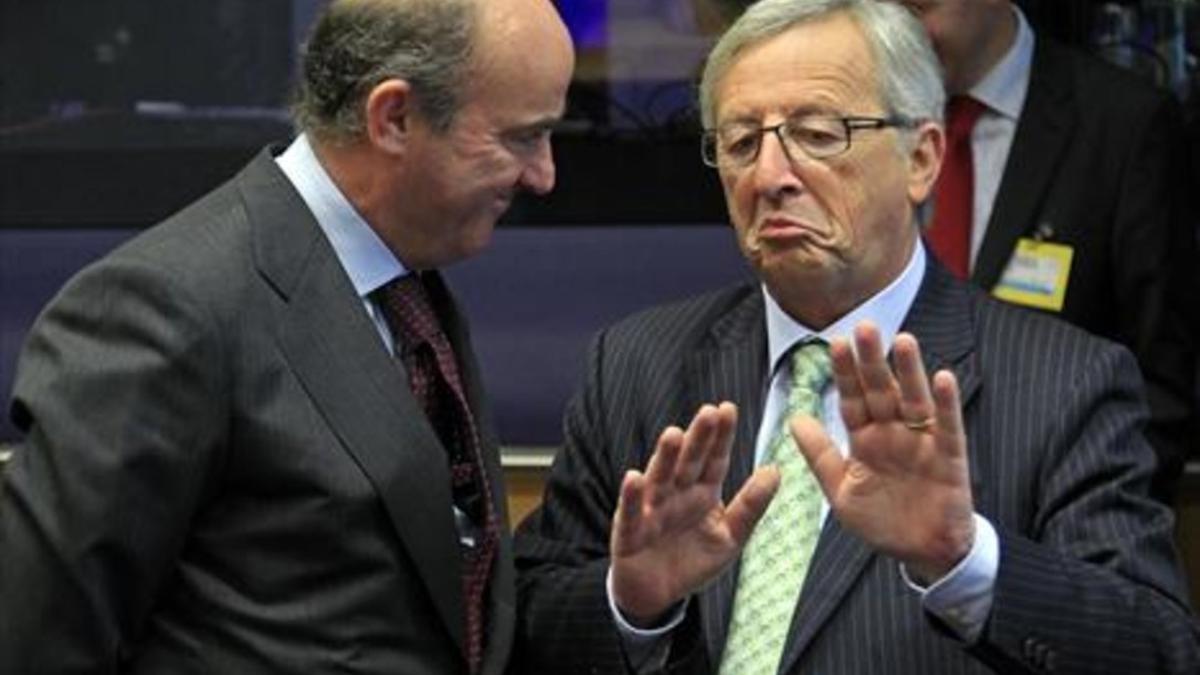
(776, 557)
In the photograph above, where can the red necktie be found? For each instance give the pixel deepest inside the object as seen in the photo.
(433, 374)
(950, 234)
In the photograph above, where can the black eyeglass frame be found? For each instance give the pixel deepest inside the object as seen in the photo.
(851, 123)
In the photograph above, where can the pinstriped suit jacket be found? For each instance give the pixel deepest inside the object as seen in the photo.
(1088, 579)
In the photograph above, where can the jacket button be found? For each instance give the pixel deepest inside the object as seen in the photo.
(1035, 652)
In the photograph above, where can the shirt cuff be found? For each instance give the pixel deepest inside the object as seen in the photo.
(963, 598)
(645, 647)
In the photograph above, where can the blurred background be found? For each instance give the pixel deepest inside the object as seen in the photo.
(115, 113)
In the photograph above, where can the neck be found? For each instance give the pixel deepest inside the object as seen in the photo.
(363, 177)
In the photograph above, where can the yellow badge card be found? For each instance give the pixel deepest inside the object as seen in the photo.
(1036, 275)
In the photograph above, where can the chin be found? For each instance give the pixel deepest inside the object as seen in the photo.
(477, 239)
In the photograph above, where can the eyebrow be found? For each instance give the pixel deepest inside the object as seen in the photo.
(549, 123)
(800, 111)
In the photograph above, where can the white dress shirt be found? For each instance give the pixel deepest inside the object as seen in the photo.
(963, 598)
(1003, 91)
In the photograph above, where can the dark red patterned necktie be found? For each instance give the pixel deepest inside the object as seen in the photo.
(953, 210)
(433, 374)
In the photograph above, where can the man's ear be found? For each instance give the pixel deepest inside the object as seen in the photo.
(925, 160)
(389, 110)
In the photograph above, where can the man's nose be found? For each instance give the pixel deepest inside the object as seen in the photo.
(538, 174)
(774, 171)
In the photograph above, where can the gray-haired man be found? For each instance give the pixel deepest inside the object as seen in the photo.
(994, 517)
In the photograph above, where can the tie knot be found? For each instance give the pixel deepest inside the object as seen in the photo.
(962, 112)
(811, 367)
(409, 310)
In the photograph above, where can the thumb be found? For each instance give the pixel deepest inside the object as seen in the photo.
(823, 458)
(750, 503)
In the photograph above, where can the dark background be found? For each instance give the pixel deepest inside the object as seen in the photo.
(115, 113)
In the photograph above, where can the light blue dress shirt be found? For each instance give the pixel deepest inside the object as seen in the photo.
(367, 260)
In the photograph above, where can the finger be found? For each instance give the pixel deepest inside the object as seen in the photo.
(627, 521)
(951, 436)
(698, 443)
(823, 458)
(718, 462)
(916, 403)
(750, 503)
(661, 469)
(880, 391)
(852, 403)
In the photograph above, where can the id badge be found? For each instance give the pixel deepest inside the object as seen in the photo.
(1036, 275)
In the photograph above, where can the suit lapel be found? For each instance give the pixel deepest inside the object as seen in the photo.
(360, 390)
(839, 560)
(733, 368)
(941, 320)
(1043, 132)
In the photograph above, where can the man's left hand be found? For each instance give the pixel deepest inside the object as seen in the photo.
(905, 486)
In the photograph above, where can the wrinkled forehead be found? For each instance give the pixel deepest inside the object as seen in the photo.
(824, 66)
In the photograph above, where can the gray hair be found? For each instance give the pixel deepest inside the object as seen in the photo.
(357, 44)
(909, 78)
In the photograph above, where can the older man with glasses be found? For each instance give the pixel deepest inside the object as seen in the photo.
(765, 479)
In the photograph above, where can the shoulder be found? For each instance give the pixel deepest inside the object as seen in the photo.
(196, 263)
(1105, 87)
(1027, 346)
(688, 323)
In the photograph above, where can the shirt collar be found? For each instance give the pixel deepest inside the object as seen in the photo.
(366, 259)
(886, 309)
(1004, 87)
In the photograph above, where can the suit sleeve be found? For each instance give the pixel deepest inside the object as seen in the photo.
(1093, 584)
(562, 548)
(565, 622)
(119, 392)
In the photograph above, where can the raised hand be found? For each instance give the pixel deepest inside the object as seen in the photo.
(671, 533)
(905, 487)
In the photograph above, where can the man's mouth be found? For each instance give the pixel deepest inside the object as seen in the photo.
(785, 228)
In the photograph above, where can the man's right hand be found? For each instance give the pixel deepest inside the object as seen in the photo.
(671, 532)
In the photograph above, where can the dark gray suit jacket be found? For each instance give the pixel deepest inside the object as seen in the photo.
(1088, 580)
(1099, 163)
(226, 472)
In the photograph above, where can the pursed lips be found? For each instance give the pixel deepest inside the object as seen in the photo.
(777, 227)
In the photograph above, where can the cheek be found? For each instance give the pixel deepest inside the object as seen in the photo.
(839, 197)
(739, 199)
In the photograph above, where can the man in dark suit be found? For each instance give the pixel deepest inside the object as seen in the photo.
(255, 436)
(1071, 154)
(992, 518)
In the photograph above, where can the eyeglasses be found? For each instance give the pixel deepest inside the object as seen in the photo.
(736, 145)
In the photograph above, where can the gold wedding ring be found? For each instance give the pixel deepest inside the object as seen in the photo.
(920, 425)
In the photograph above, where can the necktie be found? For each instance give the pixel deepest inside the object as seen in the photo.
(433, 375)
(776, 558)
(953, 210)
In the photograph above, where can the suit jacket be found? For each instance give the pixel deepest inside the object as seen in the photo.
(1088, 581)
(1099, 163)
(226, 472)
